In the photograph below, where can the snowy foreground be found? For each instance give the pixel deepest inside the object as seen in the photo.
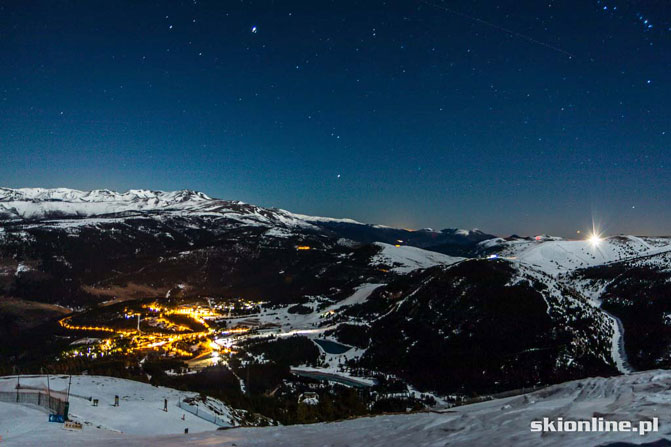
(635, 397)
(140, 411)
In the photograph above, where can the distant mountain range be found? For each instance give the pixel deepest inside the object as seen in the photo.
(450, 311)
(39, 204)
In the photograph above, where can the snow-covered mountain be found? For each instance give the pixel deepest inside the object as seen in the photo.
(450, 312)
(636, 290)
(157, 198)
(73, 208)
(405, 259)
(555, 255)
(98, 206)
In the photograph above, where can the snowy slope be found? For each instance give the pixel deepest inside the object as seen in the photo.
(557, 256)
(157, 198)
(566, 308)
(36, 203)
(505, 421)
(140, 411)
(41, 203)
(74, 208)
(31, 202)
(405, 259)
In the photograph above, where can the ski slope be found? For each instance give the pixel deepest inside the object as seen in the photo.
(140, 411)
(405, 259)
(635, 397)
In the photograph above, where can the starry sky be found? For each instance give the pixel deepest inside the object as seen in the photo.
(512, 116)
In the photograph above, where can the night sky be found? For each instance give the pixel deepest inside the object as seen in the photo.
(511, 116)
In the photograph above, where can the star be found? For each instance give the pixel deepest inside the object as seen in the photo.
(254, 29)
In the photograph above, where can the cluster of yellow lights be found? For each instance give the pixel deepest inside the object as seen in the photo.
(170, 325)
(198, 314)
(64, 322)
(158, 341)
(303, 247)
(180, 334)
(237, 330)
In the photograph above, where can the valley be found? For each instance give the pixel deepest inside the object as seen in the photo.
(262, 307)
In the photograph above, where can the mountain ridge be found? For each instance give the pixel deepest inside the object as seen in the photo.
(147, 200)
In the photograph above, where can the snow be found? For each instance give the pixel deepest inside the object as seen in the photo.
(97, 195)
(71, 209)
(325, 219)
(334, 372)
(343, 220)
(565, 309)
(22, 268)
(634, 397)
(593, 292)
(405, 259)
(81, 206)
(38, 203)
(558, 256)
(617, 350)
(280, 233)
(311, 324)
(659, 259)
(140, 411)
(359, 296)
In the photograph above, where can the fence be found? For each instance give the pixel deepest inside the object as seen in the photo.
(196, 411)
(54, 403)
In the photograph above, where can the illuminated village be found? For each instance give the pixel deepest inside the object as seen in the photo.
(195, 333)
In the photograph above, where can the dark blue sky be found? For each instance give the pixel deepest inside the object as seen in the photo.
(458, 113)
